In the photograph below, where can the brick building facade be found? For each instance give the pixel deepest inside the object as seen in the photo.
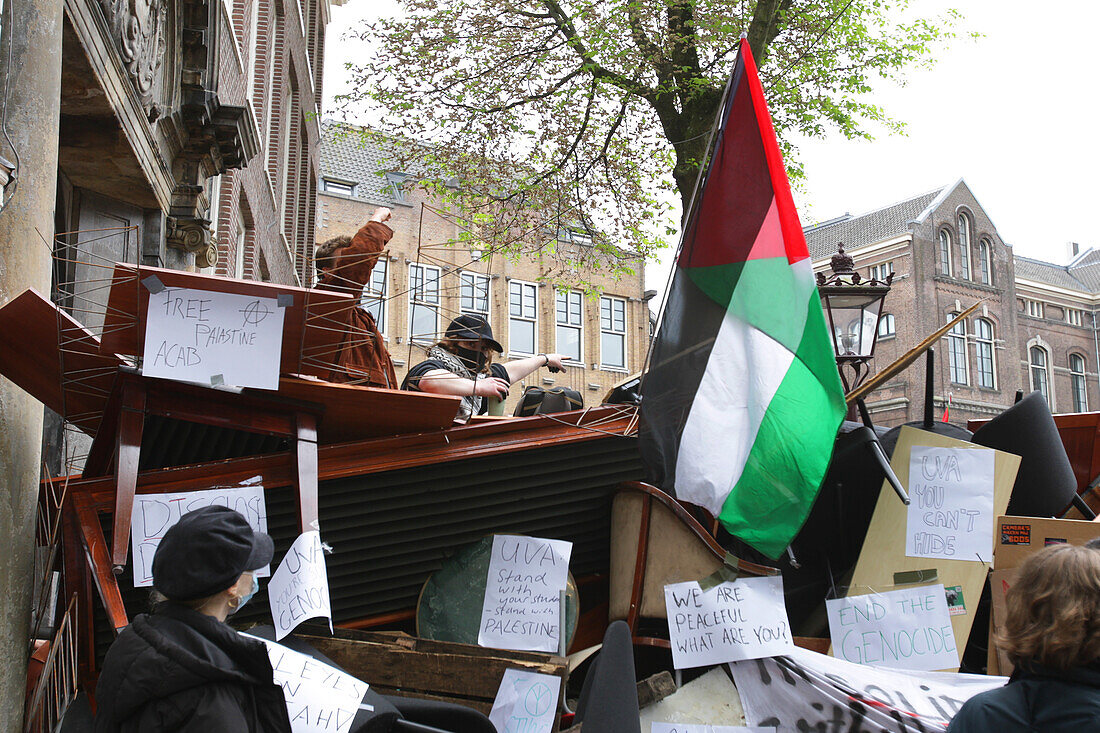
(1036, 329)
(428, 276)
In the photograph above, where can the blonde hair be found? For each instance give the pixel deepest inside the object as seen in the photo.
(1054, 609)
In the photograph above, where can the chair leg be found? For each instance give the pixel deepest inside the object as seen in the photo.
(130, 426)
(305, 460)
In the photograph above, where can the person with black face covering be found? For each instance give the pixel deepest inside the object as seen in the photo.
(461, 365)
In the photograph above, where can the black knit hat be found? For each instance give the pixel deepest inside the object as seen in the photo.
(472, 328)
(206, 551)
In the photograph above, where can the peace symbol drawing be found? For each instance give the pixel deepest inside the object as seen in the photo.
(538, 699)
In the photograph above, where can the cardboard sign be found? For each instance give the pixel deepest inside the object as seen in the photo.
(153, 514)
(905, 629)
(951, 511)
(526, 702)
(522, 593)
(1019, 537)
(319, 697)
(213, 338)
(299, 587)
(740, 619)
(694, 728)
(813, 692)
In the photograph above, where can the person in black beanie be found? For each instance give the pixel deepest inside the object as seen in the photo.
(182, 668)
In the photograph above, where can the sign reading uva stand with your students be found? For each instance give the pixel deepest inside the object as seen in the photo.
(523, 588)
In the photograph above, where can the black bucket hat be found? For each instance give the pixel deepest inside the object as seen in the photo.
(471, 328)
(206, 551)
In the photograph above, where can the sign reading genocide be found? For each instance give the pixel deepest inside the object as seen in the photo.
(740, 619)
(319, 697)
(522, 591)
(951, 511)
(299, 587)
(153, 514)
(526, 702)
(905, 629)
(213, 338)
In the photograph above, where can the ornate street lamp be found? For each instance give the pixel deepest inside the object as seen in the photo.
(852, 307)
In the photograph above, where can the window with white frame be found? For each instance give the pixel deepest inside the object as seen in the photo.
(522, 317)
(1034, 308)
(331, 185)
(881, 271)
(373, 299)
(983, 345)
(964, 246)
(612, 332)
(473, 294)
(1075, 317)
(1077, 377)
(886, 326)
(985, 257)
(1037, 358)
(569, 309)
(956, 351)
(945, 252)
(423, 303)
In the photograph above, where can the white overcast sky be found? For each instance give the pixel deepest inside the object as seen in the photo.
(1014, 113)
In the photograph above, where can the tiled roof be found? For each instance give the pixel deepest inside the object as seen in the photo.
(1083, 274)
(348, 157)
(874, 226)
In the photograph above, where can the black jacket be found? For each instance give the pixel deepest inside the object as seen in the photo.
(1036, 699)
(180, 671)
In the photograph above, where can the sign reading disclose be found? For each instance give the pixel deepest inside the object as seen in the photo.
(951, 514)
(213, 338)
(522, 593)
(904, 629)
(734, 620)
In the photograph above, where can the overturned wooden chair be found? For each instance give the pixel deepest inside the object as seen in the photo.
(656, 542)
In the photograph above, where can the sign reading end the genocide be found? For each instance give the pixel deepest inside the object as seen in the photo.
(905, 629)
(154, 514)
(951, 511)
(522, 593)
(299, 587)
(526, 702)
(213, 338)
(319, 697)
(734, 620)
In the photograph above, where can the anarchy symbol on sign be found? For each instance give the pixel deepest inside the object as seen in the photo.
(255, 312)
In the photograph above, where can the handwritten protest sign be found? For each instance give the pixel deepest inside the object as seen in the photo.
(526, 702)
(806, 691)
(695, 728)
(319, 697)
(214, 338)
(906, 629)
(522, 590)
(951, 514)
(740, 619)
(153, 514)
(299, 587)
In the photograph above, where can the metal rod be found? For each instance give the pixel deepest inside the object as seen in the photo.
(880, 456)
(929, 368)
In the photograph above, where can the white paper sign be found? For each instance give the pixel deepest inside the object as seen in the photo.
(742, 619)
(213, 338)
(319, 697)
(905, 629)
(153, 514)
(299, 587)
(527, 702)
(814, 692)
(522, 590)
(695, 728)
(951, 511)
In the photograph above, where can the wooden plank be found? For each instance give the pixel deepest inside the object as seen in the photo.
(354, 412)
(883, 551)
(55, 359)
(313, 327)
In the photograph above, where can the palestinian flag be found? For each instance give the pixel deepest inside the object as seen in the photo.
(742, 400)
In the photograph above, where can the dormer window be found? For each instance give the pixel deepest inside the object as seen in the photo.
(333, 185)
(395, 184)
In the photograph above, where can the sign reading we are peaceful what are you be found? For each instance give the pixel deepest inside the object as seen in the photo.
(522, 593)
(734, 620)
(213, 338)
(950, 514)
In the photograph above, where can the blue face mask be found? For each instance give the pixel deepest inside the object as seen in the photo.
(246, 598)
